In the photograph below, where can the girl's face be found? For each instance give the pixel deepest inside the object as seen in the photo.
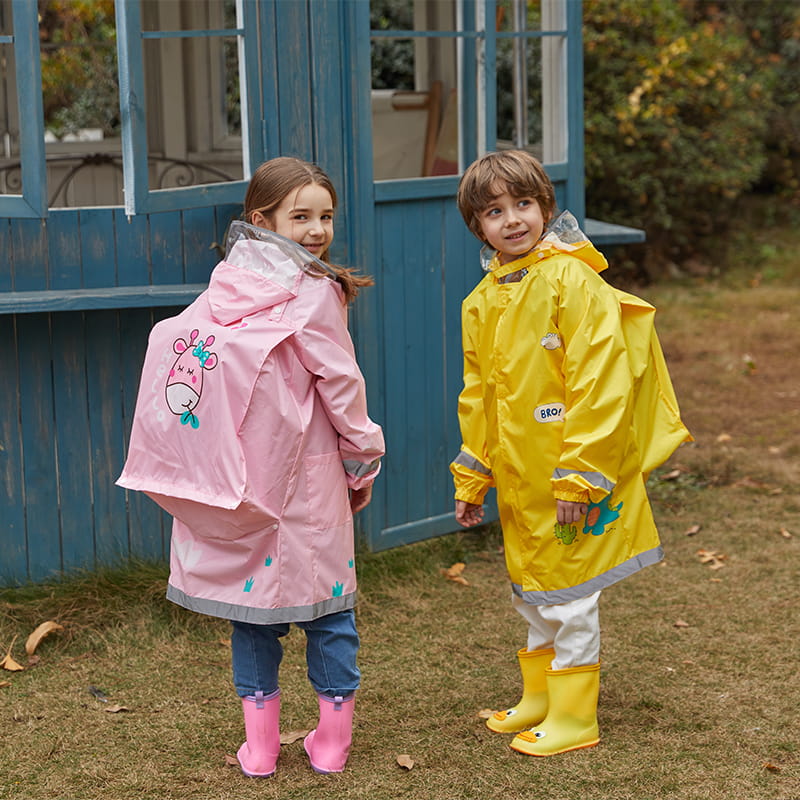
(305, 216)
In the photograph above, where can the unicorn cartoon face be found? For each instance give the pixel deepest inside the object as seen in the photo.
(185, 381)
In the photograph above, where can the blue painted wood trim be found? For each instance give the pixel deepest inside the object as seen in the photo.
(268, 71)
(33, 201)
(490, 76)
(415, 188)
(360, 229)
(101, 298)
(608, 233)
(132, 99)
(249, 73)
(575, 199)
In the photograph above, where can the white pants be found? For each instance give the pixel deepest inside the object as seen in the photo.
(571, 629)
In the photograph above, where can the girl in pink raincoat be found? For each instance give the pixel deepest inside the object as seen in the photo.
(251, 429)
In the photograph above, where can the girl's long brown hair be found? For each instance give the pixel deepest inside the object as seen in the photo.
(273, 181)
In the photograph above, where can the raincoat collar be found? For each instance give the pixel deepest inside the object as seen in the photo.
(260, 270)
(563, 235)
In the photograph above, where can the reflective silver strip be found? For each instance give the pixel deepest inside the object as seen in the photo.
(260, 616)
(358, 468)
(470, 462)
(615, 574)
(595, 478)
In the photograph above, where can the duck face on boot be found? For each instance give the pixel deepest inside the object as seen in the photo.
(532, 708)
(571, 721)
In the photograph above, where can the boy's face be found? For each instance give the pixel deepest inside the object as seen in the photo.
(512, 225)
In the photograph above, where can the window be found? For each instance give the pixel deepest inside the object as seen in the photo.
(22, 185)
(449, 74)
(183, 136)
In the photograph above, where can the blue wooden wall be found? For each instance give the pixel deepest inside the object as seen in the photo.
(93, 282)
(80, 291)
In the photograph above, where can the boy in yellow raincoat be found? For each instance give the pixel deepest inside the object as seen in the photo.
(567, 406)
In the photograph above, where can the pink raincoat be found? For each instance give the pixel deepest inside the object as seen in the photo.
(250, 426)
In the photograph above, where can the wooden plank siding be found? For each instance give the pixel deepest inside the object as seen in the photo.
(71, 378)
(428, 263)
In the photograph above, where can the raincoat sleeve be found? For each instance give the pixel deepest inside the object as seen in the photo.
(598, 386)
(326, 350)
(471, 468)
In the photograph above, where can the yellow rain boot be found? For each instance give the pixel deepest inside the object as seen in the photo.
(571, 721)
(532, 708)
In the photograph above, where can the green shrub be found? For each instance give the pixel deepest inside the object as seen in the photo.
(676, 114)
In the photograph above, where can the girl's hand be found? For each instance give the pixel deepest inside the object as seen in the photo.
(468, 514)
(568, 512)
(360, 498)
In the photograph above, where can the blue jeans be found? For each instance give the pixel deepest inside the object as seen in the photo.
(331, 647)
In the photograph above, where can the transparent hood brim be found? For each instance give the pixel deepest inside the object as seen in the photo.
(239, 231)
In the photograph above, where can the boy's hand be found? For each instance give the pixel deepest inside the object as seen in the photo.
(568, 512)
(468, 514)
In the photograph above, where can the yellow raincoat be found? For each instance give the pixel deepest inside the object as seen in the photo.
(566, 395)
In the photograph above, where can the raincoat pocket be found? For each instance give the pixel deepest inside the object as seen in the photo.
(326, 490)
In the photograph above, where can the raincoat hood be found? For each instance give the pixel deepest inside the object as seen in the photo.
(563, 235)
(260, 270)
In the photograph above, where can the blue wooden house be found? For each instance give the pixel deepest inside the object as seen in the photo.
(103, 233)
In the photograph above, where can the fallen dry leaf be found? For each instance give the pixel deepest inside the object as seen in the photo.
(485, 713)
(454, 573)
(695, 529)
(785, 533)
(293, 736)
(671, 476)
(749, 483)
(41, 631)
(405, 761)
(8, 662)
(679, 623)
(711, 558)
(115, 709)
(3, 684)
(231, 761)
(768, 765)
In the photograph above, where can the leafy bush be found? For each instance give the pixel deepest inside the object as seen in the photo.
(773, 29)
(676, 116)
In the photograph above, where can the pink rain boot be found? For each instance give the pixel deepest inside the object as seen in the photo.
(329, 745)
(258, 755)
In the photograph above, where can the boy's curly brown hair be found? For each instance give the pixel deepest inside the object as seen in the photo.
(514, 171)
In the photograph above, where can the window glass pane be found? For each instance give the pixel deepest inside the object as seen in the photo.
(80, 93)
(531, 77)
(192, 101)
(415, 117)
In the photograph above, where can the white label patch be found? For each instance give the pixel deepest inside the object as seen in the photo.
(552, 412)
(552, 341)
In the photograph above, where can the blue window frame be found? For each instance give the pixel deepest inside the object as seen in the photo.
(139, 196)
(23, 41)
(27, 156)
